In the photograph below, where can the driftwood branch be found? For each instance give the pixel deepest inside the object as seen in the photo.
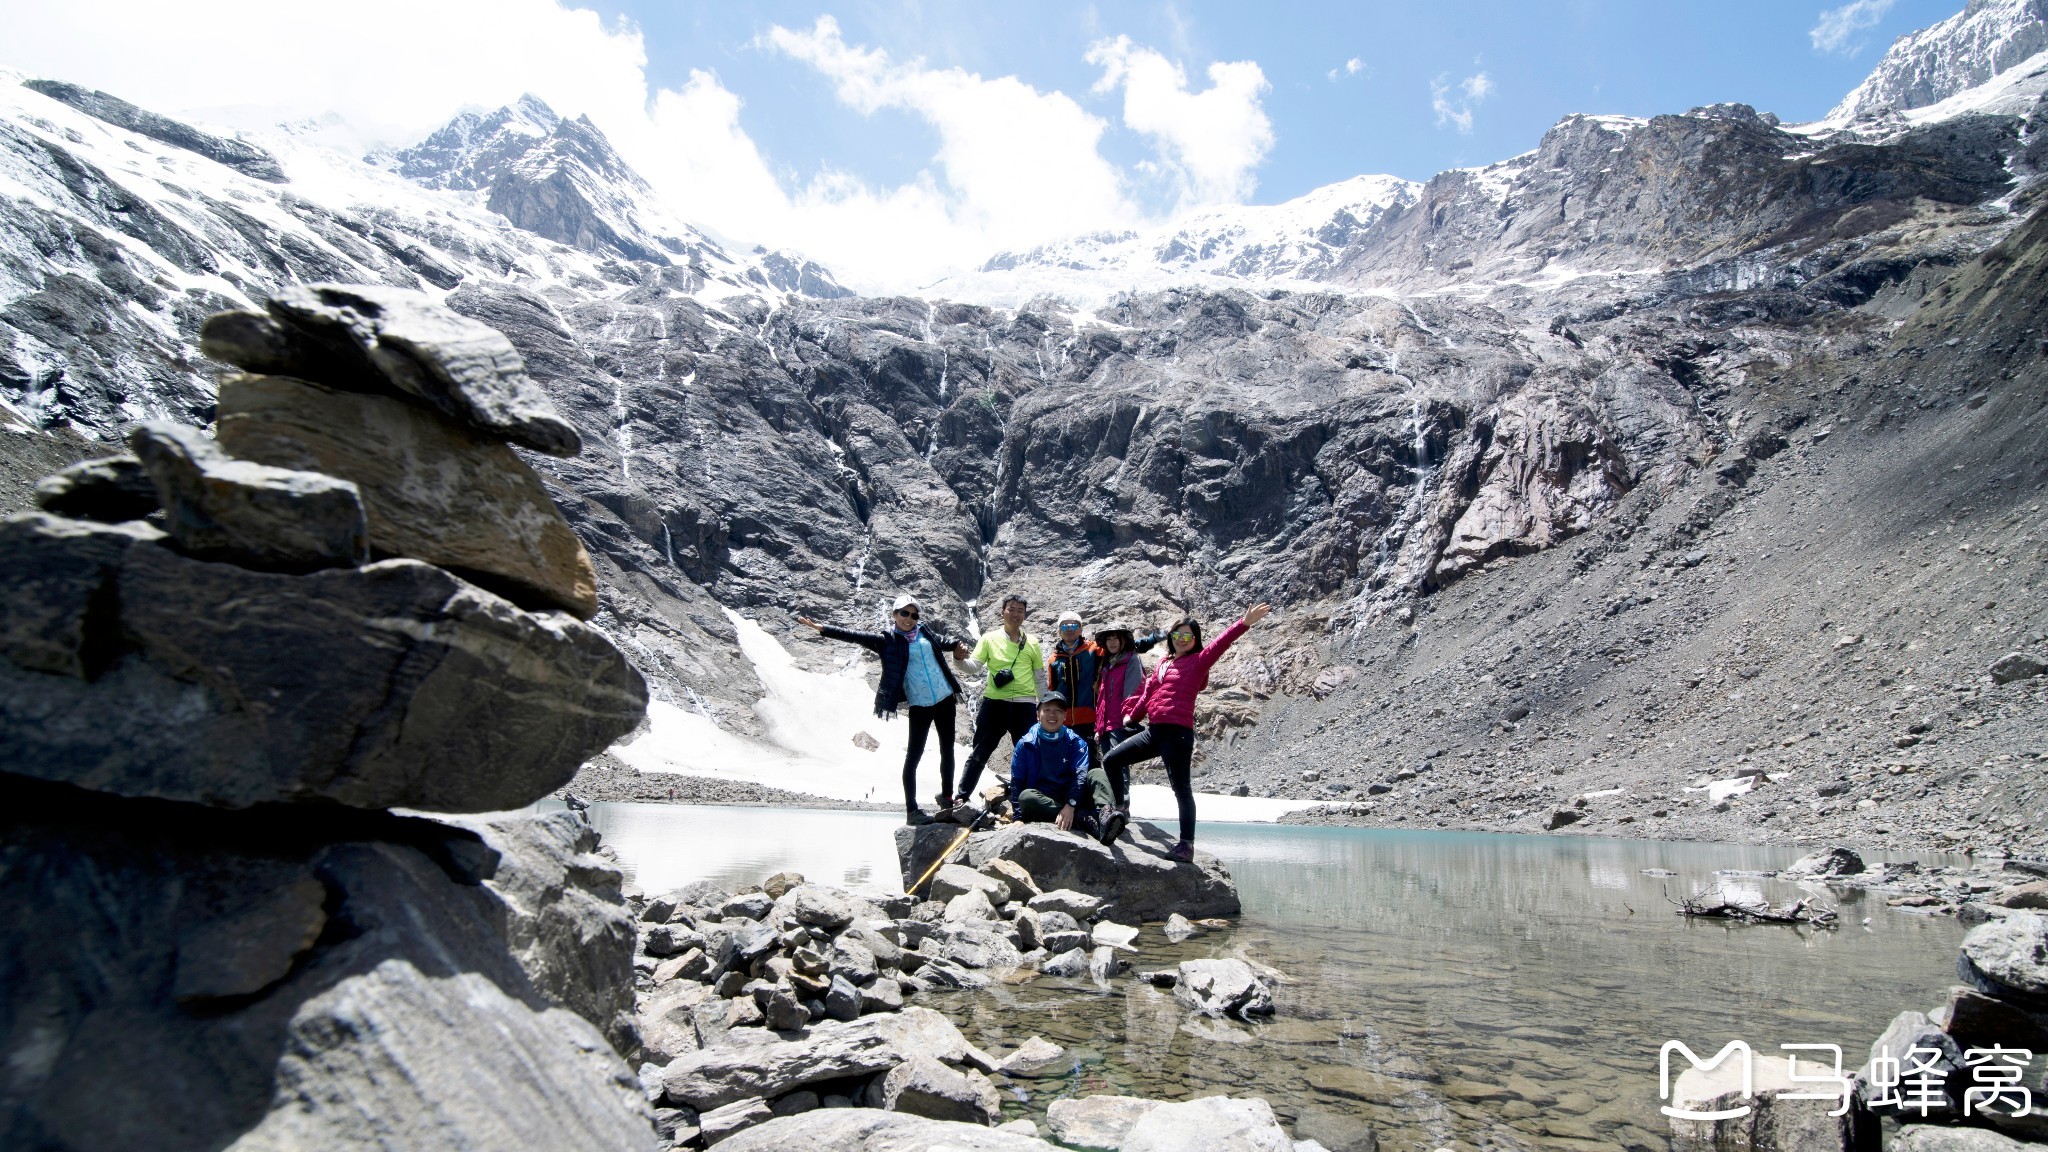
(1711, 905)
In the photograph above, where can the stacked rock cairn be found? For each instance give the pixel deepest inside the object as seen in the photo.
(228, 658)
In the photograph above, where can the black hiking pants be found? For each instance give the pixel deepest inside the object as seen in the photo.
(1172, 743)
(995, 720)
(941, 716)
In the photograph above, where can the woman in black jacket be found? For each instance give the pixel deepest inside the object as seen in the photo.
(913, 674)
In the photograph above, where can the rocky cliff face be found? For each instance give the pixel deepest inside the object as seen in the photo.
(1986, 38)
(1552, 349)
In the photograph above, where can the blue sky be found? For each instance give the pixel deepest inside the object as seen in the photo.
(1542, 61)
(900, 141)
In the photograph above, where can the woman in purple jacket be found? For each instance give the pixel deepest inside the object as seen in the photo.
(1168, 700)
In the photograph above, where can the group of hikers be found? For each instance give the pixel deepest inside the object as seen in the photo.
(1077, 718)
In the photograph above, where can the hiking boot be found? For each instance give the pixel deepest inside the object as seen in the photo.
(1113, 822)
(1183, 852)
(916, 818)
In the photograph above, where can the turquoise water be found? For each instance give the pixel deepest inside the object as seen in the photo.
(1448, 988)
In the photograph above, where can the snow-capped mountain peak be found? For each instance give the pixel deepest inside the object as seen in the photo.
(1984, 40)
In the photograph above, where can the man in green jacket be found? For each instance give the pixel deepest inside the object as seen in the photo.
(1015, 670)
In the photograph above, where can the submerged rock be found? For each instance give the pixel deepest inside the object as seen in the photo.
(1225, 987)
(1096, 1122)
(1211, 1124)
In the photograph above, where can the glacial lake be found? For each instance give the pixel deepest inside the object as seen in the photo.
(1449, 989)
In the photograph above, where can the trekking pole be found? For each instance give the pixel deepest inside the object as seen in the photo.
(948, 853)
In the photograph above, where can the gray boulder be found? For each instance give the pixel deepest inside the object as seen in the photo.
(111, 490)
(61, 578)
(1907, 1031)
(1070, 963)
(1134, 874)
(747, 905)
(1225, 987)
(219, 508)
(870, 1130)
(969, 906)
(1211, 1124)
(842, 1000)
(2016, 666)
(954, 880)
(884, 995)
(720, 1124)
(363, 338)
(819, 907)
(1078, 907)
(1036, 1057)
(1980, 1021)
(922, 1086)
(392, 685)
(1179, 928)
(1096, 1122)
(431, 489)
(2008, 957)
(666, 1023)
(248, 948)
(828, 1051)
(565, 914)
(1103, 964)
(1826, 862)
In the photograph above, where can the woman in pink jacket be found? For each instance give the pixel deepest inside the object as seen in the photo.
(1167, 699)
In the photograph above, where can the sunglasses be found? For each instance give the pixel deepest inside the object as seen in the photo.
(1183, 635)
(910, 612)
(1070, 627)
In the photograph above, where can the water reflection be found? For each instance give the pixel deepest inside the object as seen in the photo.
(1467, 988)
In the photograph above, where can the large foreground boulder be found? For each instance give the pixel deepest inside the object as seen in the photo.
(394, 684)
(867, 1130)
(1134, 876)
(346, 979)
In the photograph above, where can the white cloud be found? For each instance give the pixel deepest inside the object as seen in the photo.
(1475, 88)
(1022, 165)
(1209, 142)
(1351, 67)
(1015, 166)
(1838, 29)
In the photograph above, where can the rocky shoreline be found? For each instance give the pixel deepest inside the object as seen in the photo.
(789, 1014)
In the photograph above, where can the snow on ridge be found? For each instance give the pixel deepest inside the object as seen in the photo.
(1285, 245)
(1986, 39)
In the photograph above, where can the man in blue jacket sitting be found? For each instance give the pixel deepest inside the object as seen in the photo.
(1050, 780)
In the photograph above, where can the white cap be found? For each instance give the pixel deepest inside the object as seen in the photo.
(1070, 617)
(904, 601)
